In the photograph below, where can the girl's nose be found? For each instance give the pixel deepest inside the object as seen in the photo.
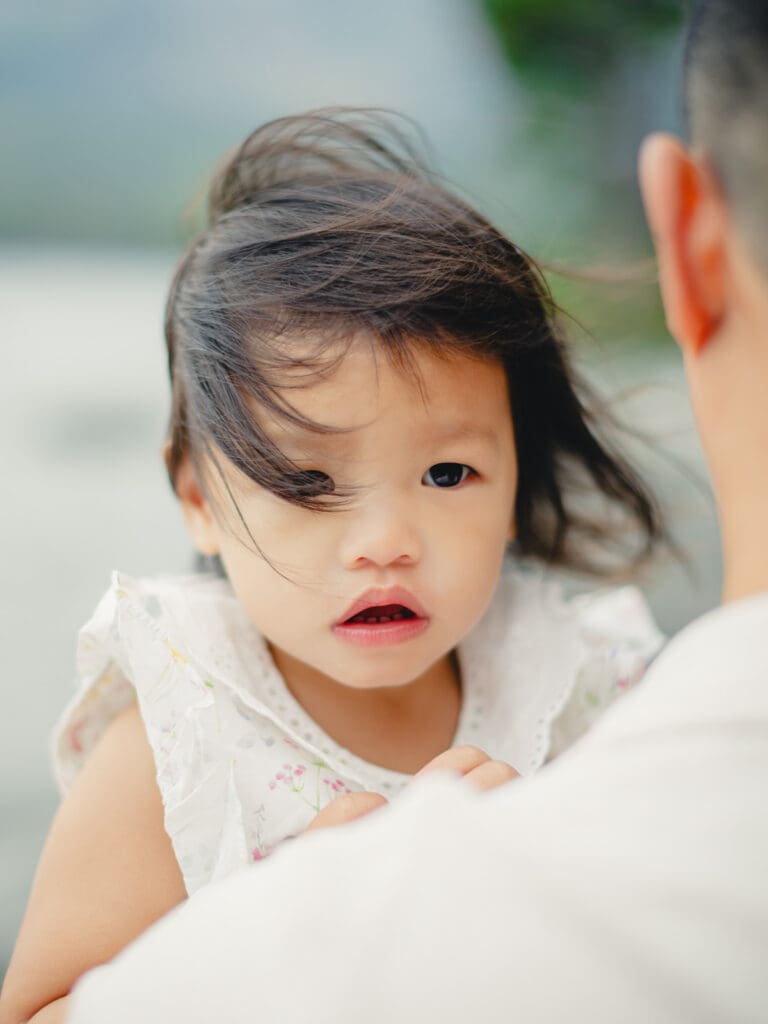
(380, 537)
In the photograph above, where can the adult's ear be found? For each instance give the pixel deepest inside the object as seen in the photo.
(687, 219)
(196, 508)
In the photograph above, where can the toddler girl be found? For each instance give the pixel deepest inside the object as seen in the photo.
(374, 423)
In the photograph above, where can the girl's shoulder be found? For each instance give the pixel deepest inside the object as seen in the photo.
(604, 615)
(143, 629)
(619, 639)
(543, 664)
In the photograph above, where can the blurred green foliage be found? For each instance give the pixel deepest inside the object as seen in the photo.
(572, 43)
(594, 74)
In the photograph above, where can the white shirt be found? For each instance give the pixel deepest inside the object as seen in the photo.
(625, 882)
(241, 766)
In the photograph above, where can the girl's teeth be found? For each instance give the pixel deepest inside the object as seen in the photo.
(370, 620)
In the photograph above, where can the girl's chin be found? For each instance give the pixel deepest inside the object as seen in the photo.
(358, 667)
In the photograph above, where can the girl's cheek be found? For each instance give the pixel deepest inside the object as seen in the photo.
(299, 538)
(266, 515)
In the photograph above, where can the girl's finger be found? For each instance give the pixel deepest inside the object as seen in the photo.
(458, 759)
(345, 808)
(491, 774)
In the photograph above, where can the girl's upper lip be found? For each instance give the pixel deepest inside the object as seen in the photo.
(379, 596)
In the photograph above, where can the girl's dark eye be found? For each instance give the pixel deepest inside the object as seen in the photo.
(446, 474)
(311, 483)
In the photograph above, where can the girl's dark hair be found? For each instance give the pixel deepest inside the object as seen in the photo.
(329, 225)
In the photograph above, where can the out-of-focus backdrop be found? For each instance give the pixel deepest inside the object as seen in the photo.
(112, 114)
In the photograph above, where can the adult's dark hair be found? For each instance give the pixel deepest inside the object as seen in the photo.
(329, 226)
(726, 98)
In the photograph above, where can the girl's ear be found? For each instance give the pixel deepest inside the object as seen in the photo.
(686, 216)
(196, 509)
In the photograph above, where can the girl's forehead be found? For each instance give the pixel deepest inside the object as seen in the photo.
(445, 392)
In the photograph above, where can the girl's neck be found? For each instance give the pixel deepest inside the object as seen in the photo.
(398, 727)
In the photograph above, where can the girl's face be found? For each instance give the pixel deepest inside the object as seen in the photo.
(422, 542)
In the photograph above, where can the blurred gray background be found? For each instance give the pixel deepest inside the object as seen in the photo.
(111, 117)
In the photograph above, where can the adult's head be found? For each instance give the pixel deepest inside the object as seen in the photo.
(707, 205)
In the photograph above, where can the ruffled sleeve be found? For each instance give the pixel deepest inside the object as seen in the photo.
(143, 644)
(619, 640)
(130, 651)
(103, 691)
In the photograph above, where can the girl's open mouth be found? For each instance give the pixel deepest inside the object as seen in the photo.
(374, 623)
(382, 613)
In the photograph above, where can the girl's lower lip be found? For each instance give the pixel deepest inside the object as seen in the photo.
(383, 634)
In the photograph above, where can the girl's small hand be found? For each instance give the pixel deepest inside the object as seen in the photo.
(470, 762)
(345, 808)
(474, 765)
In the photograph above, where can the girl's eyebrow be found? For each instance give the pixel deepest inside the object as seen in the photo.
(465, 432)
(311, 442)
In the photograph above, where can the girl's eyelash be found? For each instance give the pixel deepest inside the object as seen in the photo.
(447, 475)
(313, 483)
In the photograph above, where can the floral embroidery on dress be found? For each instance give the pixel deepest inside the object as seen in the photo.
(309, 782)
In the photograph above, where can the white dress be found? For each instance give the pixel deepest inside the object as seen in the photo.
(241, 766)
